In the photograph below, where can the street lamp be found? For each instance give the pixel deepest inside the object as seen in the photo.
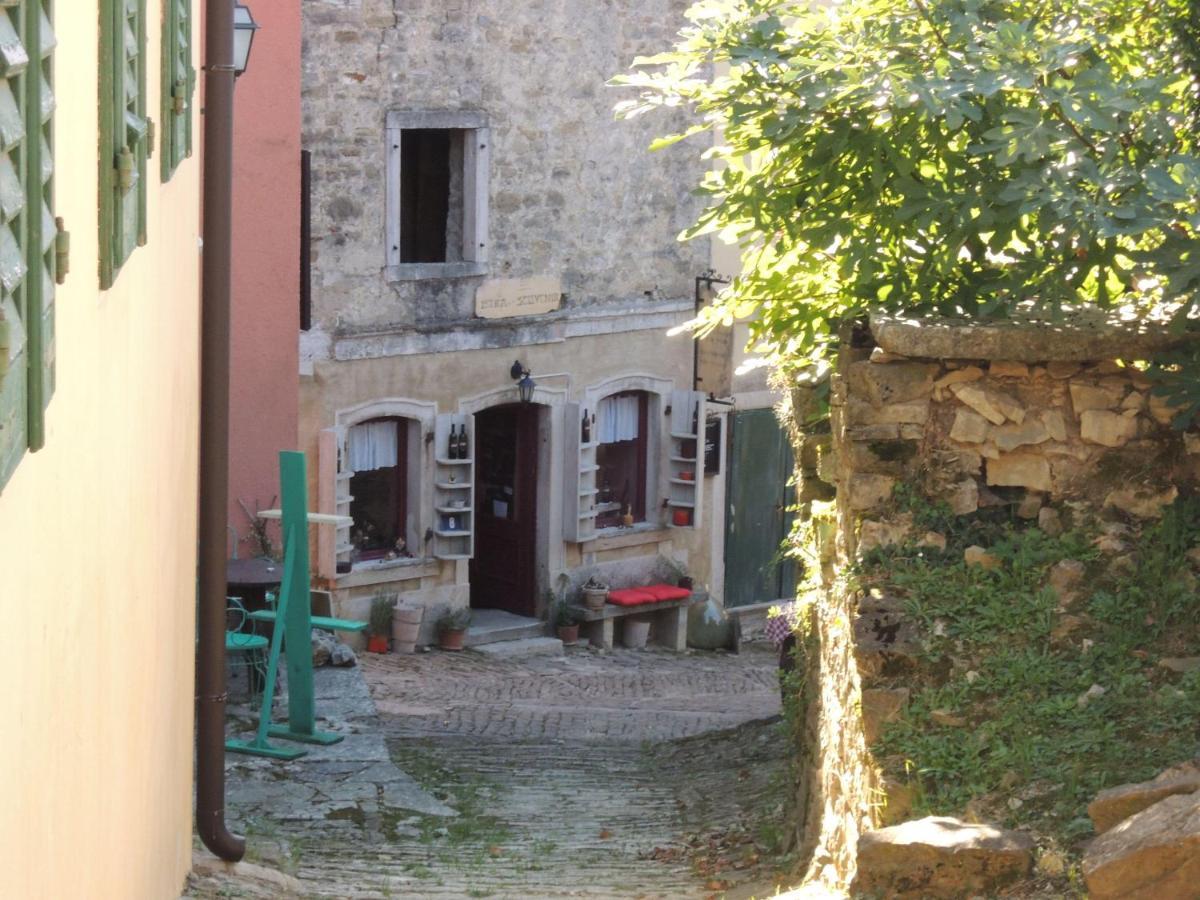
(524, 379)
(244, 27)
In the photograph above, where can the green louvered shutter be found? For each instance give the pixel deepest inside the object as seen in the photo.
(14, 360)
(179, 80)
(41, 228)
(124, 132)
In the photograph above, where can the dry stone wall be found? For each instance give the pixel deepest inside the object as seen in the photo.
(1052, 438)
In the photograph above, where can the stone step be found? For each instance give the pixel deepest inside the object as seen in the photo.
(523, 649)
(492, 626)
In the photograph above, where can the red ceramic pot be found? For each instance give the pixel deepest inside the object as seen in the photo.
(377, 643)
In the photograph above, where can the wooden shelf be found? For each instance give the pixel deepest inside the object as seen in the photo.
(686, 459)
(457, 532)
(681, 504)
(454, 510)
(454, 462)
(683, 481)
(684, 436)
(453, 486)
(454, 556)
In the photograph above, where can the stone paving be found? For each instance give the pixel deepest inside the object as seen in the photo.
(575, 776)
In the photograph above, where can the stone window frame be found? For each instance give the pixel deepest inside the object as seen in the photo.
(476, 165)
(420, 415)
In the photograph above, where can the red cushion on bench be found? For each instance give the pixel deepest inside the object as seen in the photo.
(631, 597)
(667, 592)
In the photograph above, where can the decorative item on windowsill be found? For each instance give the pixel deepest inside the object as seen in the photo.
(566, 619)
(681, 517)
(687, 475)
(627, 519)
(595, 593)
(379, 623)
(452, 628)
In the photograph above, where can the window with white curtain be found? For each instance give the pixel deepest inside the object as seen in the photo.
(621, 432)
(377, 452)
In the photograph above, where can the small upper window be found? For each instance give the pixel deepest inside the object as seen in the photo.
(621, 425)
(436, 195)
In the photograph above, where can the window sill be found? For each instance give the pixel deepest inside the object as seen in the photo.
(427, 271)
(616, 538)
(382, 571)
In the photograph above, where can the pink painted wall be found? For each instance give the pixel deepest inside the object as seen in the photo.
(264, 387)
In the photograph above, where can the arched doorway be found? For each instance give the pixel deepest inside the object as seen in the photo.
(503, 571)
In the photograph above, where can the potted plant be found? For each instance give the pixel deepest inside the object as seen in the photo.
(595, 593)
(379, 624)
(566, 622)
(452, 628)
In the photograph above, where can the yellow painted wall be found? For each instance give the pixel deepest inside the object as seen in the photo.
(97, 543)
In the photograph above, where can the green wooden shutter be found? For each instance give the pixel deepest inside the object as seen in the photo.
(178, 85)
(124, 132)
(41, 229)
(14, 66)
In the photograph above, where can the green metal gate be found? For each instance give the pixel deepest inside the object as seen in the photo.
(758, 516)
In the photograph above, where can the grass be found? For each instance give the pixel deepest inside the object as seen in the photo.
(1033, 753)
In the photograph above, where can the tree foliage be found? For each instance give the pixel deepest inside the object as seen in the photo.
(952, 156)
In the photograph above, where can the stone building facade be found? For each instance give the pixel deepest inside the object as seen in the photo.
(475, 204)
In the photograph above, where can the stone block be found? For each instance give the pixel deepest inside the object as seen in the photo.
(893, 383)
(1161, 411)
(1093, 396)
(993, 405)
(911, 412)
(1004, 368)
(1141, 502)
(873, 433)
(1061, 369)
(1010, 437)
(1020, 469)
(969, 427)
(978, 556)
(869, 491)
(1109, 429)
(964, 497)
(1055, 424)
(1153, 855)
(873, 534)
(959, 376)
(1050, 521)
(879, 707)
(938, 857)
(1030, 506)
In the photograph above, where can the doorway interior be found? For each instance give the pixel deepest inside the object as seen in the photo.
(503, 571)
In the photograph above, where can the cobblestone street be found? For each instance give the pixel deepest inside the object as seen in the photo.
(578, 776)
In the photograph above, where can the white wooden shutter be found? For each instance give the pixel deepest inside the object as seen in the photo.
(453, 482)
(579, 478)
(685, 459)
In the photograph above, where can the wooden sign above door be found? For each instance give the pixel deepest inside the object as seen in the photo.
(499, 298)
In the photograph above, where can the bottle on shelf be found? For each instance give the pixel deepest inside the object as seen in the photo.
(585, 429)
(696, 419)
(464, 451)
(452, 446)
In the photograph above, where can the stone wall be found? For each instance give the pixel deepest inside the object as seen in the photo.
(1031, 419)
(954, 418)
(574, 194)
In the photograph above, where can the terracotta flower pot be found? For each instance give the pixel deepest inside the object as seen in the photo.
(451, 640)
(377, 643)
(568, 634)
(406, 626)
(594, 598)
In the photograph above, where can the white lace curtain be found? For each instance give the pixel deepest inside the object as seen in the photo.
(617, 419)
(373, 445)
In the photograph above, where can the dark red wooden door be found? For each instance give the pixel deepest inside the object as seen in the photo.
(506, 449)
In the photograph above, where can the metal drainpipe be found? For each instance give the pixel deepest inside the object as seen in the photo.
(214, 431)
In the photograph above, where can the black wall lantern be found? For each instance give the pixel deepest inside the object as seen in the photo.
(524, 379)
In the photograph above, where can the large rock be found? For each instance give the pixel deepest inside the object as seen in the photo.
(894, 383)
(1027, 470)
(1154, 855)
(1094, 396)
(969, 427)
(870, 491)
(1010, 437)
(940, 857)
(1118, 803)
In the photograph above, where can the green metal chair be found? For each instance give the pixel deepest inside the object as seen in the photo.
(244, 648)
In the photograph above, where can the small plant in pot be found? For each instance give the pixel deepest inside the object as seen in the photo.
(452, 628)
(566, 622)
(379, 624)
(595, 593)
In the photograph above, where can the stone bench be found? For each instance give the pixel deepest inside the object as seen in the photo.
(668, 622)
